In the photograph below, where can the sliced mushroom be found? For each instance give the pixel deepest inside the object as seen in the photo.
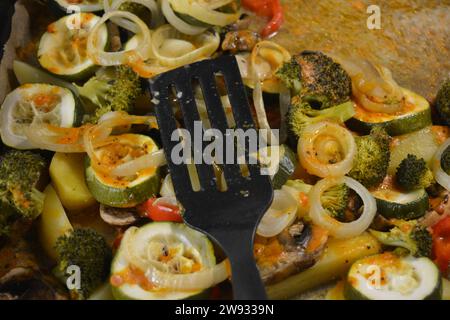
(293, 257)
(118, 217)
(240, 40)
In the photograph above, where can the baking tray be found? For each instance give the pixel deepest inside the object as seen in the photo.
(6, 13)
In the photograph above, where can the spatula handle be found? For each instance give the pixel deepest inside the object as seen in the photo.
(247, 283)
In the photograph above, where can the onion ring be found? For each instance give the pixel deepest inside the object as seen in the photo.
(336, 228)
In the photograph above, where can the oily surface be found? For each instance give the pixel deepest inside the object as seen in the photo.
(414, 39)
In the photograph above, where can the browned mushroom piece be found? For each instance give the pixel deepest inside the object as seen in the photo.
(118, 217)
(240, 40)
(292, 256)
(21, 275)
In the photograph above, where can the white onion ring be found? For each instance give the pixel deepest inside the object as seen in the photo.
(210, 43)
(281, 214)
(204, 13)
(261, 115)
(336, 228)
(94, 136)
(199, 280)
(440, 175)
(103, 58)
(372, 85)
(47, 137)
(307, 153)
(154, 159)
(178, 23)
(151, 5)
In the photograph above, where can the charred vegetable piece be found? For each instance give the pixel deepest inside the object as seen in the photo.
(372, 158)
(240, 40)
(317, 79)
(409, 235)
(443, 102)
(413, 174)
(89, 251)
(22, 175)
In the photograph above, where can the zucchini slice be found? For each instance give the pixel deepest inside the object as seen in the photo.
(183, 249)
(393, 204)
(124, 192)
(390, 277)
(55, 105)
(83, 5)
(286, 166)
(416, 115)
(63, 48)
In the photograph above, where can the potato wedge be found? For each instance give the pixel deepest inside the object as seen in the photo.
(67, 173)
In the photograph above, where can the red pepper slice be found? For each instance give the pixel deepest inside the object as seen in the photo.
(267, 8)
(441, 244)
(161, 211)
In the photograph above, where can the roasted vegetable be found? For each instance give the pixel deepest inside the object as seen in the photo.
(111, 89)
(443, 102)
(445, 160)
(335, 262)
(335, 200)
(372, 159)
(413, 173)
(302, 114)
(409, 235)
(317, 79)
(390, 277)
(21, 174)
(67, 173)
(89, 251)
(53, 222)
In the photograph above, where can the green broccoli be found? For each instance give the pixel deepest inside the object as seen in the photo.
(445, 161)
(301, 115)
(113, 89)
(442, 102)
(334, 199)
(409, 235)
(413, 173)
(138, 9)
(372, 158)
(22, 174)
(89, 251)
(316, 79)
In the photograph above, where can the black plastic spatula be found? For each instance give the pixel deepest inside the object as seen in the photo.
(230, 217)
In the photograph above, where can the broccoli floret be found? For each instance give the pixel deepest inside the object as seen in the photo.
(316, 79)
(409, 235)
(443, 102)
(113, 89)
(138, 9)
(89, 251)
(413, 173)
(334, 199)
(301, 115)
(445, 160)
(21, 174)
(372, 158)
